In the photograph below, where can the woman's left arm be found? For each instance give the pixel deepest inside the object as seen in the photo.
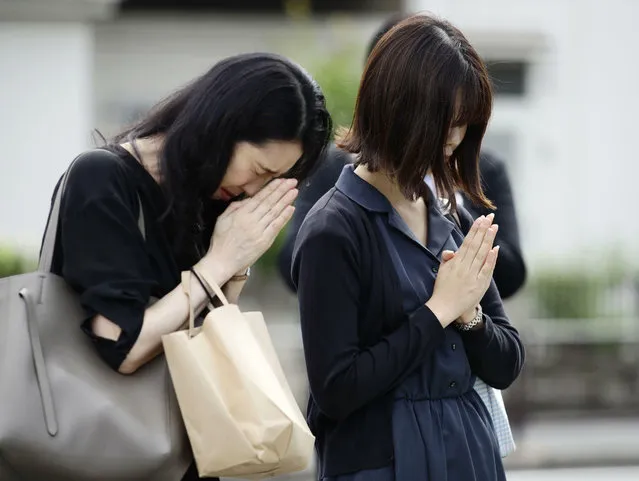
(495, 351)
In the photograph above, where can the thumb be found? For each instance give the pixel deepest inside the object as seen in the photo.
(447, 255)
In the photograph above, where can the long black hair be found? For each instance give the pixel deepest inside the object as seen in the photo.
(250, 97)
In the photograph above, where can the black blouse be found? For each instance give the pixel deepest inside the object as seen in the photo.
(101, 252)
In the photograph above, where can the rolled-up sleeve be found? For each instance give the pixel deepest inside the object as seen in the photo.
(104, 253)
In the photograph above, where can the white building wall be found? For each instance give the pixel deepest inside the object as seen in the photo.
(575, 172)
(45, 112)
(141, 58)
(573, 163)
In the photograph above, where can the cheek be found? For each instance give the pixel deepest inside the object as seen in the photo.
(237, 177)
(456, 136)
(463, 134)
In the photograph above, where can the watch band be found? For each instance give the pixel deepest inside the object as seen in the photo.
(478, 319)
(242, 277)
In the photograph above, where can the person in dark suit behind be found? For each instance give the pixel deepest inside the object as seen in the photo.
(510, 272)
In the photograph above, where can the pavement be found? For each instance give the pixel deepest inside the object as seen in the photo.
(578, 442)
(563, 449)
(623, 473)
(630, 473)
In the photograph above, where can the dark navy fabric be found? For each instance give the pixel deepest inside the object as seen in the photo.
(441, 429)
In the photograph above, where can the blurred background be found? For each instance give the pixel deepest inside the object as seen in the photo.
(565, 74)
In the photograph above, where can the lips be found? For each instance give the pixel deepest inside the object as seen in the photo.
(226, 194)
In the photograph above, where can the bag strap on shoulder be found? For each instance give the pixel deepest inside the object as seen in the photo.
(51, 232)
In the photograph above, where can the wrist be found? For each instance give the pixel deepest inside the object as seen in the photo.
(241, 276)
(441, 313)
(468, 316)
(475, 323)
(217, 268)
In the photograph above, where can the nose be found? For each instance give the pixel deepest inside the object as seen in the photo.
(456, 136)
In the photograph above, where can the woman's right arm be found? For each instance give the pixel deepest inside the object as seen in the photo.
(106, 260)
(164, 317)
(241, 235)
(343, 375)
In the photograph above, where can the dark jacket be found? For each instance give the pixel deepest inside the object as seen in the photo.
(510, 273)
(359, 344)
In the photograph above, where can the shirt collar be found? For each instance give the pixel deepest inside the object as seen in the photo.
(371, 199)
(361, 192)
(364, 194)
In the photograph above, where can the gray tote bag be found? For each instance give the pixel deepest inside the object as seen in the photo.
(64, 414)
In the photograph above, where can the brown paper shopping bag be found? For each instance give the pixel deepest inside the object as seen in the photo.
(239, 411)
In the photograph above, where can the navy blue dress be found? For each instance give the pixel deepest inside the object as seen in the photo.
(442, 431)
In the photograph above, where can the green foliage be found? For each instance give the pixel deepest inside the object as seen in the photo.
(12, 262)
(575, 293)
(338, 75)
(267, 264)
(567, 295)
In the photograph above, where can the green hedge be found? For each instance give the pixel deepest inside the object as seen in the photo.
(338, 75)
(567, 295)
(12, 262)
(575, 293)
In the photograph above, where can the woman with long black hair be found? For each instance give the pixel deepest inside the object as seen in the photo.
(214, 170)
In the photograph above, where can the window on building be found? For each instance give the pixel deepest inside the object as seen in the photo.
(509, 77)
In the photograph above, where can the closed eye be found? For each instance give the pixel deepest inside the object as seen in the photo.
(266, 171)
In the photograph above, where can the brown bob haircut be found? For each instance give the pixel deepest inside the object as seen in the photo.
(414, 78)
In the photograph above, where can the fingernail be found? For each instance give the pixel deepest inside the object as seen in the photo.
(491, 216)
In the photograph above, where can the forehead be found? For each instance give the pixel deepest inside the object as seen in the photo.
(276, 157)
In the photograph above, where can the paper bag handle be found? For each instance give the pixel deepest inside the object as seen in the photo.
(186, 288)
(210, 287)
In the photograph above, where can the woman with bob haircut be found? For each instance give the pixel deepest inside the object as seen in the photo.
(398, 308)
(214, 170)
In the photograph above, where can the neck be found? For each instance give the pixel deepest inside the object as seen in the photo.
(147, 152)
(385, 184)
